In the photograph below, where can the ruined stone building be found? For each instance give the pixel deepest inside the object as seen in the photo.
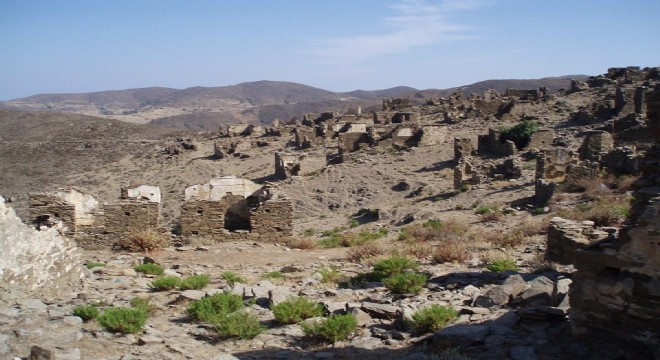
(94, 225)
(615, 295)
(288, 165)
(233, 208)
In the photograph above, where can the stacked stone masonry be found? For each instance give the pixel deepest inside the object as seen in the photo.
(615, 295)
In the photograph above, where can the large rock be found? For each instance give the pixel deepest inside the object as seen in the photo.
(502, 294)
(460, 335)
(35, 262)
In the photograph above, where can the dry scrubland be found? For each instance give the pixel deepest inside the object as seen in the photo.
(385, 253)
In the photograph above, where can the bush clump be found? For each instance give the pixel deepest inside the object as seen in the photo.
(123, 320)
(150, 269)
(333, 329)
(433, 318)
(405, 283)
(194, 282)
(165, 283)
(520, 134)
(238, 324)
(143, 304)
(86, 312)
(296, 310)
(502, 265)
(146, 240)
(212, 308)
(232, 278)
(94, 264)
(394, 265)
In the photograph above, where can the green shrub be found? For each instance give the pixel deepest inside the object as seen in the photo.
(332, 238)
(433, 318)
(143, 304)
(238, 324)
(333, 329)
(86, 312)
(433, 224)
(232, 278)
(394, 265)
(309, 232)
(150, 268)
(94, 264)
(123, 320)
(330, 275)
(502, 265)
(520, 134)
(296, 310)
(165, 283)
(194, 282)
(405, 283)
(214, 307)
(353, 223)
(485, 209)
(274, 275)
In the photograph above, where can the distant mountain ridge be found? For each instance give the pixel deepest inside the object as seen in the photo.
(258, 101)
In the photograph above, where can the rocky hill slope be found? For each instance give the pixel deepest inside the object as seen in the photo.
(387, 197)
(251, 102)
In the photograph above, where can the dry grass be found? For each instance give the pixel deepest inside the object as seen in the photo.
(364, 252)
(508, 239)
(492, 216)
(434, 230)
(450, 250)
(302, 243)
(419, 251)
(604, 211)
(146, 240)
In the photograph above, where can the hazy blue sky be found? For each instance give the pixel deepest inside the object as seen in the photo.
(53, 46)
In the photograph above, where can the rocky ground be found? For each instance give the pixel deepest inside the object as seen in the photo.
(520, 315)
(502, 315)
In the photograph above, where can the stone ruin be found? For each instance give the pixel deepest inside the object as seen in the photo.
(231, 207)
(492, 160)
(615, 297)
(94, 225)
(34, 262)
(288, 165)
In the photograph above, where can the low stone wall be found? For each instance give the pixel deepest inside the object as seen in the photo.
(273, 219)
(566, 237)
(35, 263)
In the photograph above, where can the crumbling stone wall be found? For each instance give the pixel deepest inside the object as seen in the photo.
(552, 163)
(463, 148)
(566, 237)
(595, 145)
(353, 141)
(615, 294)
(541, 140)
(465, 173)
(231, 208)
(491, 144)
(33, 262)
(272, 220)
(94, 226)
(432, 135)
(287, 165)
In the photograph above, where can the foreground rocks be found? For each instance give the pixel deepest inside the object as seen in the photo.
(502, 315)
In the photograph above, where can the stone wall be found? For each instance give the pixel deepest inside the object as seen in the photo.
(490, 144)
(262, 213)
(541, 140)
(95, 226)
(552, 163)
(463, 148)
(353, 141)
(595, 145)
(287, 165)
(615, 295)
(432, 135)
(35, 263)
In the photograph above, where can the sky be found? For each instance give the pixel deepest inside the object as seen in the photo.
(71, 46)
